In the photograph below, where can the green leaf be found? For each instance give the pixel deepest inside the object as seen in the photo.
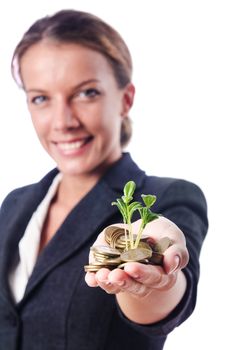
(148, 199)
(122, 207)
(127, 209)
(151, 216)
(133, 207)
(141, 210)
(127, 200)
(129, 189)
(147, 216)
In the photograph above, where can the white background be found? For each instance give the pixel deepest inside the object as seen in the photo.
(183, 75)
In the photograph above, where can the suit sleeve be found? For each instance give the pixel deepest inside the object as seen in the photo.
(183, 203)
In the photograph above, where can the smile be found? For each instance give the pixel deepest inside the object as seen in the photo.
(66, 146)
(69, 147)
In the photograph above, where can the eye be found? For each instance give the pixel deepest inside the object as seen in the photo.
(38, 100)
(89, 93)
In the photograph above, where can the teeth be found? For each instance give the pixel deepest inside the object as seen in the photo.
(71, 145)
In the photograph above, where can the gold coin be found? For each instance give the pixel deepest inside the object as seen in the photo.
(105, 250)
(163, 244)
(137, 254)
(156, 259)
(116, 254)
(97, 266)
(92, 267)
(144, 245)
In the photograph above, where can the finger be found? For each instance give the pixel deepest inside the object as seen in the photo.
(176, 258)
(102, 278)
(153, 277)
(90, 279)
(126, 283)
(149, 275)
(146, 274)
(140, 279)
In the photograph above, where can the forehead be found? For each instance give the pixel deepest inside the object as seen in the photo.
(57, 60)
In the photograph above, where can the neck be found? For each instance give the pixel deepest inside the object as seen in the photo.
(72, 189)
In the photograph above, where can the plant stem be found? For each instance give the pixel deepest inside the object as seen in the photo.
(139, 235)
(131, 236)
(130, 228)
(126, 238)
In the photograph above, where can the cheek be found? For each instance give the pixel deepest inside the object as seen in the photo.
(41, 124)
(106, 127)
(108, 118)
(93, 118)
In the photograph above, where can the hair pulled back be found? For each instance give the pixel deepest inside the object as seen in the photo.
(71, 26)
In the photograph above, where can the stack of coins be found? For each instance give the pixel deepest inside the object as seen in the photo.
(116, 254)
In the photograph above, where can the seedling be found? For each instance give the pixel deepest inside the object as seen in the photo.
(127, 208)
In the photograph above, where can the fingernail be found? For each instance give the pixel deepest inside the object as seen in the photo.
(106, 282)
(175, 265)
(120, 283)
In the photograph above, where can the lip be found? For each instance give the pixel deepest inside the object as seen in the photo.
(72, 147)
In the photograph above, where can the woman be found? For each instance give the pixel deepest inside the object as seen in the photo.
(76, 73)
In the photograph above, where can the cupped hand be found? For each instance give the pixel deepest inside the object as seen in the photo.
(140, 279)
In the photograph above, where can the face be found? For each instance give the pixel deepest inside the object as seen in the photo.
(75, 105)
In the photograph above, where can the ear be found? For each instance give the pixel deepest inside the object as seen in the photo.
(128, 99)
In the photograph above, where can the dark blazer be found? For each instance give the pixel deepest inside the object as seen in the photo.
(59, 311)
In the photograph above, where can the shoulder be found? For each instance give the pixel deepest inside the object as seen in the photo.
(177, 198)
(169, 191)
(33, 191)
(173, 188)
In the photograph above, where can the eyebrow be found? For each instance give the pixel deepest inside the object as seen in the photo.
(76, 87)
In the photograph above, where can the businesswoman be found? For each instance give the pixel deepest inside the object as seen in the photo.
(76, 73)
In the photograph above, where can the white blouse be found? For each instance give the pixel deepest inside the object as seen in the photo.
(29, 244)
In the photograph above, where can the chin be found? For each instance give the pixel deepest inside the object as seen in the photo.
(76, 168)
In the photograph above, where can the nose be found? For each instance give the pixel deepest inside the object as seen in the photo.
(64, 117)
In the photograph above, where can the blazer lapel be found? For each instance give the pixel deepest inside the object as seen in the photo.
(83, 224)
(87, 219)
(16, 211)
